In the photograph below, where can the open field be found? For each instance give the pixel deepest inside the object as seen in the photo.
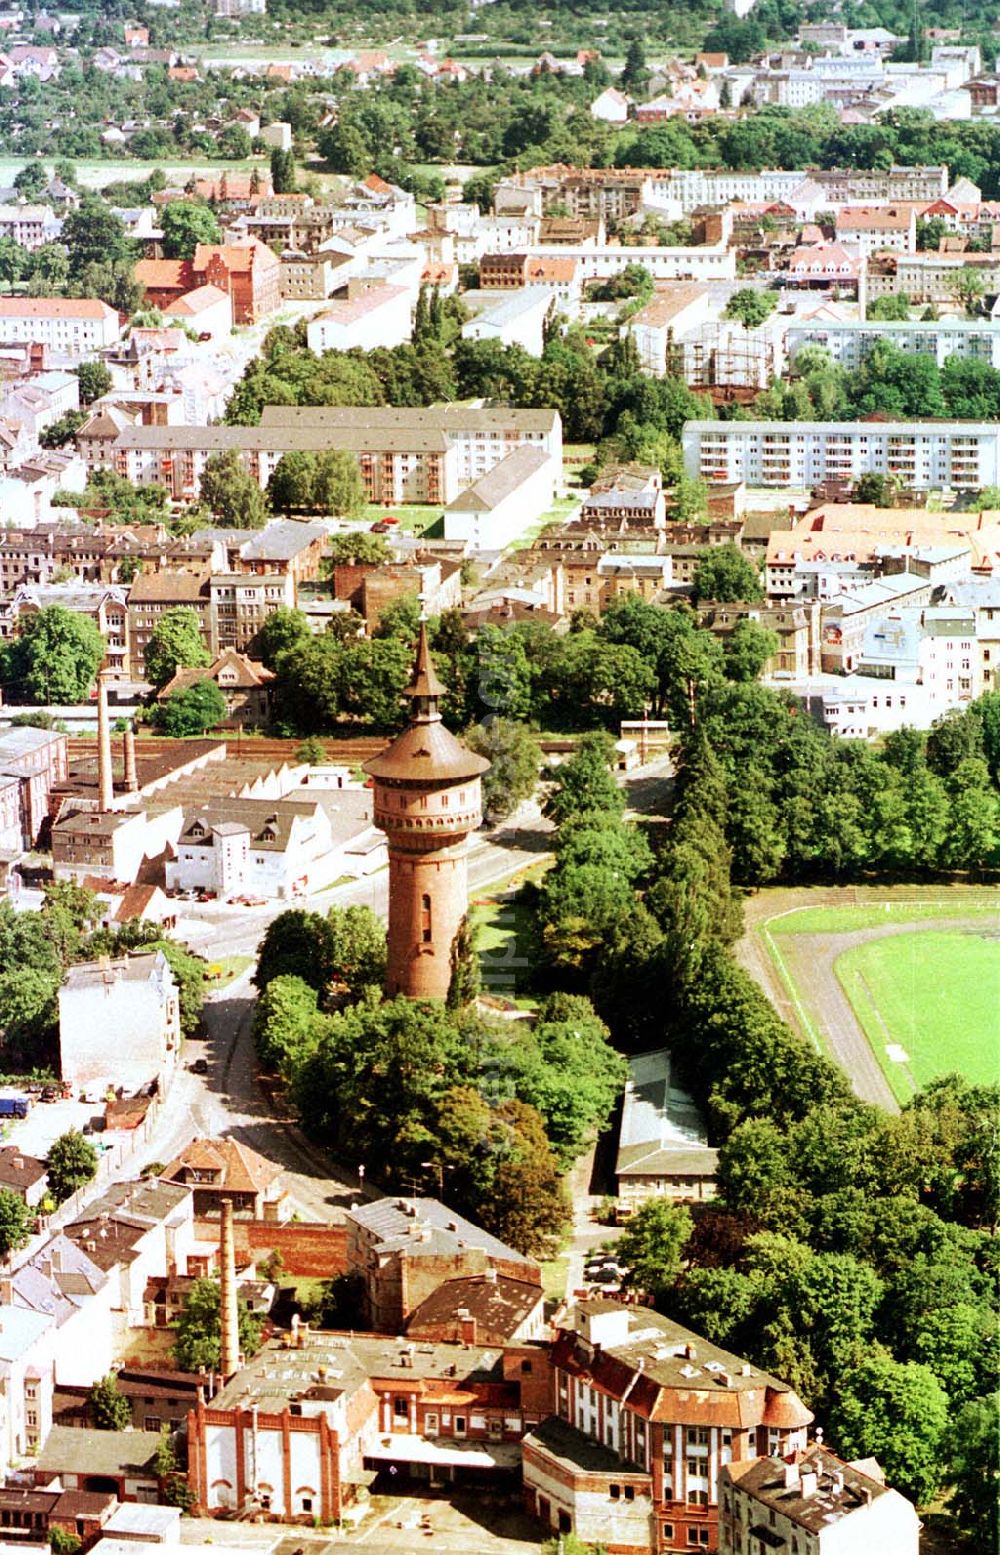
(929, 1002)
(800, 943)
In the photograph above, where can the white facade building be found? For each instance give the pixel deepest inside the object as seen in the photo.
(849, 342)
(504, 502)
(119, 1019)
(378, 316)
(72, 326)
(276, 849)
(814, 1504)
(922, 454)
(516, 319)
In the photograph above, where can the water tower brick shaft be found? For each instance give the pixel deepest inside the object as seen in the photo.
(427, 798)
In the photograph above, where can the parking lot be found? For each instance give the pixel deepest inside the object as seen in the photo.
(45, 1122)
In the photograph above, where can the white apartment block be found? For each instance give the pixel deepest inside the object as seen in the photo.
(850, 342)
(72, 326)
(922, 454)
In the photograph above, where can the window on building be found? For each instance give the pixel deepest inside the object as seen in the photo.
(426, 930)
(629, 1492)
(459, 1425)
(400, 1408)
(615, 1491)
(526, 1368)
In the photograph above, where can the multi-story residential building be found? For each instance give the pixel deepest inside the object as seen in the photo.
(105, 604)
(982, 597)
(647, 1414)
(796, 627)
(701, 262)
(921, 454)
(813, 1504)
(614, 193)
(928, 277)
(850, 341)
(29, 225)
(239, 605)
(477, 437)
(119, 1018)
(32, 761)
(152, 594)
(70, 326)
(425, 456)
(874, 229)
(656, 327)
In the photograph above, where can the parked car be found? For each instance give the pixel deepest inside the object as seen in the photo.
(50, 1093)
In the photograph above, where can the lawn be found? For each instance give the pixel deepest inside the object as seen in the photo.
(503, 930)
(226, 970)
(933, 995)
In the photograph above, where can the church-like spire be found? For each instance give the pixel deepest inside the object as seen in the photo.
(425, 688)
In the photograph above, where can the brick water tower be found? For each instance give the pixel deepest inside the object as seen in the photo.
(427, 800)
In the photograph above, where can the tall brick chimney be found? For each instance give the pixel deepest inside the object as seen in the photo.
(229, 1328)
(105, 772)
(131, 775)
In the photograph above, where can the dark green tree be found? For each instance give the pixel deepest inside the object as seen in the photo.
(107, 1405)
(71, 1164)
(176, 643)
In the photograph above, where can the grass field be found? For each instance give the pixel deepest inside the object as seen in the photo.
(910, 973)
(848, 920)
(503, 929)
(933, 995)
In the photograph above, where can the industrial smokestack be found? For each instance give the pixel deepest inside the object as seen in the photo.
(131, 775)
(105, 777)
(229, 1315)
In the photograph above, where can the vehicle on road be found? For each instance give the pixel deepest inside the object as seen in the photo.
(200, 1066)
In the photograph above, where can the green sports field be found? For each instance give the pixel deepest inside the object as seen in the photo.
(933, 996)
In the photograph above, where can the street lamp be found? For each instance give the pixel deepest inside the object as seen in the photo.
(436, 1166)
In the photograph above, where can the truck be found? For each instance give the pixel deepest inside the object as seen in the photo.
(13, 1106)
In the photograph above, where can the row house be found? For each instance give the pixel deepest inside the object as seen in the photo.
(647, 1414)
(231, 607)
(477, 437)
(396, 466)
(797, 628)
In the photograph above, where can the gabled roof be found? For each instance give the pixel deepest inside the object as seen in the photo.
(241, 1169)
